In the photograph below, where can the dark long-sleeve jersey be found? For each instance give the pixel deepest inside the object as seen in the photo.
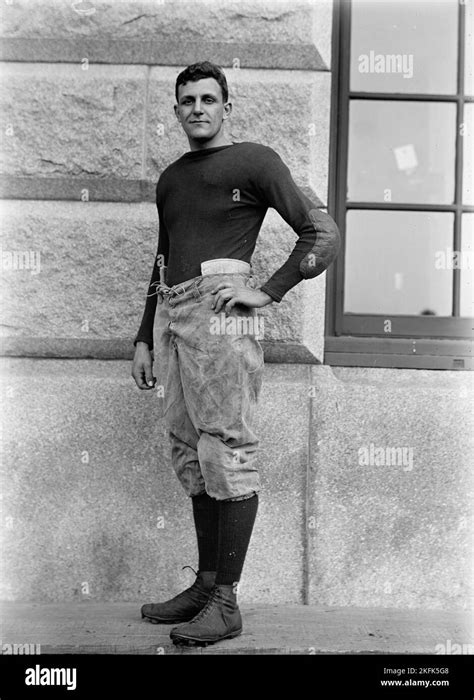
(211, 204)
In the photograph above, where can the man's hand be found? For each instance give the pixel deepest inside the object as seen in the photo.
(142, 367)
(229, 295)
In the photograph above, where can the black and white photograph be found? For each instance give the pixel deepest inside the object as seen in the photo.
(236, 346)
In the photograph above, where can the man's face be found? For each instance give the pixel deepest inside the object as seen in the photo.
(201, 109)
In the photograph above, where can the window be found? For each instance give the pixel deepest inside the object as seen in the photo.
(400, 293)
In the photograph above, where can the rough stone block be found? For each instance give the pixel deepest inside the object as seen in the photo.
(390, 529)
(91, 507)
(266, 34)
(80, 270)
(95, 262)
(67, 122)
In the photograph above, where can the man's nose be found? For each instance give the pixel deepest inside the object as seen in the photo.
(197, 106)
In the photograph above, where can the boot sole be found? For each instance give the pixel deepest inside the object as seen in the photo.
(155, 621)
(196, 642)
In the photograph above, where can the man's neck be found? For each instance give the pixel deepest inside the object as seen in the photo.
(219, 140)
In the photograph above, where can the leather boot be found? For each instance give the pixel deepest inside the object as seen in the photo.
(219, 619)
(185, 605)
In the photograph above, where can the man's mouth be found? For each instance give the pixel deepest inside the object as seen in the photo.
(199, 122)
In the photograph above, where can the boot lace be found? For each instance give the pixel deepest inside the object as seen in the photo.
(214, 595)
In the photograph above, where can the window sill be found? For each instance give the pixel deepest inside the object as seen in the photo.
(403, 353)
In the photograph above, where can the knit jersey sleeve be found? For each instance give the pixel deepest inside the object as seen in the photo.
(318, 235)
(145, 332)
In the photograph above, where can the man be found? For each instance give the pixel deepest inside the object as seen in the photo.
(204, 335)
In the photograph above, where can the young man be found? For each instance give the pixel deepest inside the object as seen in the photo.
(204, 335)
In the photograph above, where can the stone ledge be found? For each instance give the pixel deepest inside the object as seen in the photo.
(122, 349)
(106, 189)
(168, 52)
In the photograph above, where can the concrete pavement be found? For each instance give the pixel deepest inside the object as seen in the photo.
(116, 628)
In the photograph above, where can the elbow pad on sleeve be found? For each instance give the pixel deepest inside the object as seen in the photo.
(325, 248)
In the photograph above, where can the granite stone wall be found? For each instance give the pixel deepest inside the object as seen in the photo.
(366, 472)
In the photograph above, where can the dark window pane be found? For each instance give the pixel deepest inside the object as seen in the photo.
(394, 263)
(466, 306)
(401, 151)
(468, 146)
(404, 46)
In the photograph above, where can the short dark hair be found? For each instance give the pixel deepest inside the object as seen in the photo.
(198, 71)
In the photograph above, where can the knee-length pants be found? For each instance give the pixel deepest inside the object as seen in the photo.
(211, 368)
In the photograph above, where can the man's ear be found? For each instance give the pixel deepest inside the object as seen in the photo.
(227, 110)
(176, 111)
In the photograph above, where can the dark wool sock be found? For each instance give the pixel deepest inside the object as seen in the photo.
(206, 522)
(236, 520)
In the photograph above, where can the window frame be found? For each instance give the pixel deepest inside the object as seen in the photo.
(415, 341)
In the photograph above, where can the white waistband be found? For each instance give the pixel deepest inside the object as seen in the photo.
(222, 265)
